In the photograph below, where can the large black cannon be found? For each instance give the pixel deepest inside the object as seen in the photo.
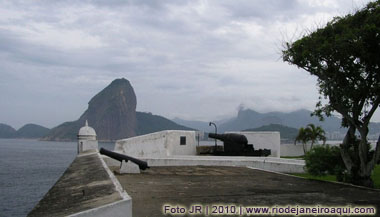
(232, 142)
(120, 157)
(237, 144)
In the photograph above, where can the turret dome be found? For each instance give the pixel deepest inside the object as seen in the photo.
(86, 139)
(86, 130)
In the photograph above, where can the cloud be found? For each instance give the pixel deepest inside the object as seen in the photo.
(191, 59)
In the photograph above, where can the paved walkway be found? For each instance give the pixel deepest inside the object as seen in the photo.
(265, 163)
(207, 185)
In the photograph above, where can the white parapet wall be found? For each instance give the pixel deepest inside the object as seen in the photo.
(121, 208)
(263, 140)
(160, 144)
(291, 150)
(265, 163)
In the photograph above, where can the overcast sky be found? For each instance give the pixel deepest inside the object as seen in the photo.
(192, 59)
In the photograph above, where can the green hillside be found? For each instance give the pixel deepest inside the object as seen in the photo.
(149, 123)
(31, 131)
(7, 131)
(286, 132)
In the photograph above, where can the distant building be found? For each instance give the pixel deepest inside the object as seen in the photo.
(87, 139)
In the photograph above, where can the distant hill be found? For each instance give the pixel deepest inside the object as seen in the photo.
(199, 125)
(247, 119)
(288, 133)
(32, 131)
(149, 123)
(7, 131)
(67, 131)
(28, 131)
(250, 119)
(112, 113)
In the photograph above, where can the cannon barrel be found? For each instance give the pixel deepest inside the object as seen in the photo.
(229, 137)
(120, 157)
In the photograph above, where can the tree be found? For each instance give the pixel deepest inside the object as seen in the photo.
(345, 57)
(310, 133)
(302, 137)
(314, 134)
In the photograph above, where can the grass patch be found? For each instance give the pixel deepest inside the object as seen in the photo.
(323, 178)
(375, 176)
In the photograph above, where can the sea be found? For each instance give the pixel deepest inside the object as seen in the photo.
(29, 168)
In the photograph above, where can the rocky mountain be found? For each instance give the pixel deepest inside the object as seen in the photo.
(32, 131)
(7, 131)
(112, 113)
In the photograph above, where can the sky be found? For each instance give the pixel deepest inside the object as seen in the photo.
(192, 59)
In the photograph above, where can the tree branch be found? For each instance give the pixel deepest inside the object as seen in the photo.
(368, 117)
(376, 156)
(343, 112)
(345, 147)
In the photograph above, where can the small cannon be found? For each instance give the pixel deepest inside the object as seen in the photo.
(237, 144)
(120, 157)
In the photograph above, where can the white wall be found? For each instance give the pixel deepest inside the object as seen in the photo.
(121, 208)
(292, 150)
(84, 145)
(263, 140)
(159, 144)
(265, 163)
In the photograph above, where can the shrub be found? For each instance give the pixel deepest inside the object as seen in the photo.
(325, 160)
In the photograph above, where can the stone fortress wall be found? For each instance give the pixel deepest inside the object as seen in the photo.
(160, 144)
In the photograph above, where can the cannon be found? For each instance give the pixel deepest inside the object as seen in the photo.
(232, 142)
(237, 145)
(120, 157)
(230, 137)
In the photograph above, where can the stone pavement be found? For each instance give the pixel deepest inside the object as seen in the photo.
(208, 185)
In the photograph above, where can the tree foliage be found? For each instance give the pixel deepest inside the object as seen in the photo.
(345, 57)
(324, 160)
(310, 134)
(315, 134)
(302, 137)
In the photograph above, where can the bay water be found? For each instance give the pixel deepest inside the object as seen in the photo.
(29, 168)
